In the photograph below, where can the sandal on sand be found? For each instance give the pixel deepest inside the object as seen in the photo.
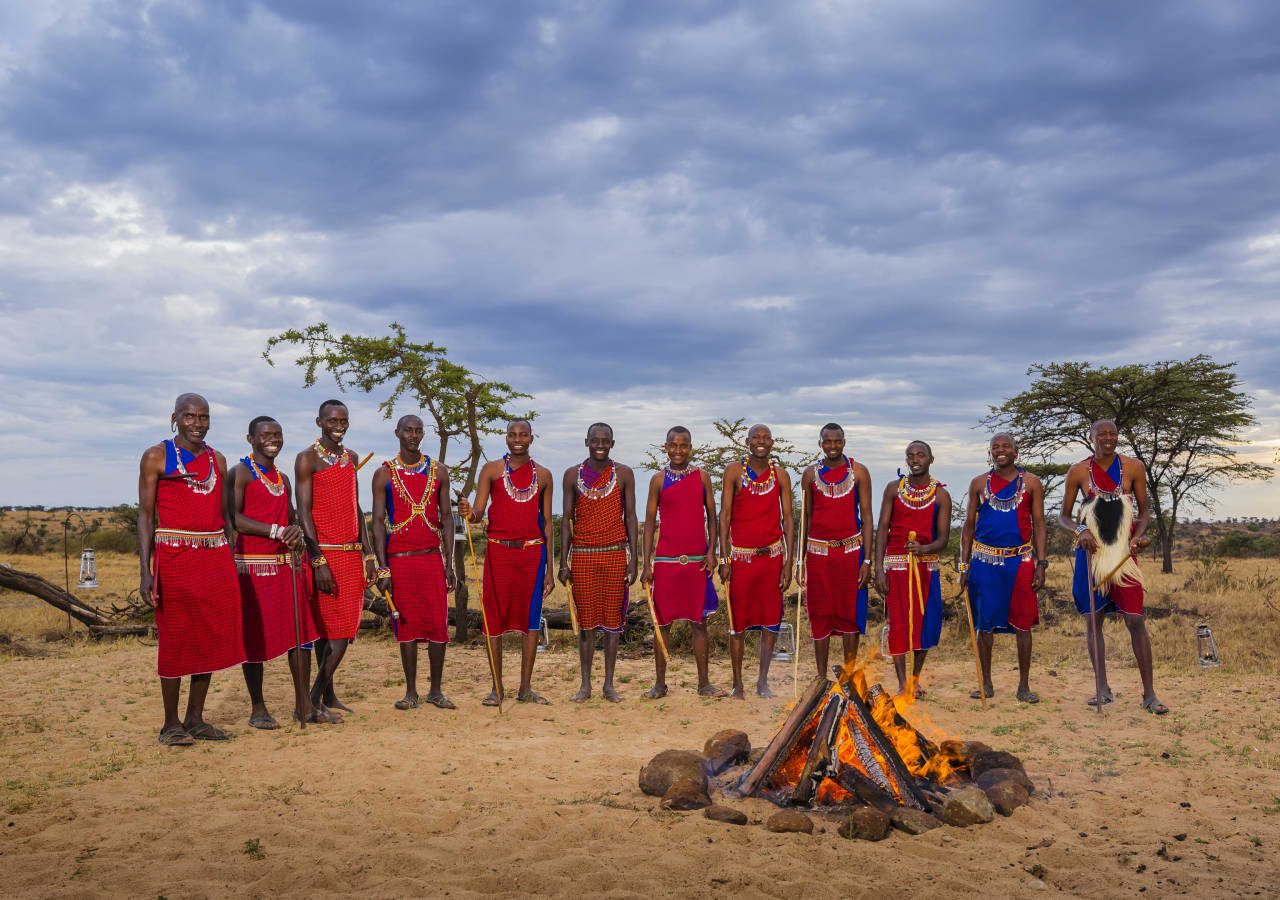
(1155, 707)
(1028, 696)
(407, 703)
(206, 732)
(323, 717)
(176, 737)
(531, 697)
(265, 722)
(1106, 698)
(492, 699)
(974, 695)
(440, 701)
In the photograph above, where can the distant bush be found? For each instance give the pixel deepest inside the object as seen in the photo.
(115, 540)
(1244, 544)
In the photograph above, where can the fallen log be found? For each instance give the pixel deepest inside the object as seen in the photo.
(31, 583)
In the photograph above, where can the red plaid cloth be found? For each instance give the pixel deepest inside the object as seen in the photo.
(599, 577)
(334, 512)
(419, 591)
(196, 590)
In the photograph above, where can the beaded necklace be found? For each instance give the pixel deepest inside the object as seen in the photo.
(751, 482)
(417, 468)
(1004, 504)
(520, 495)
(206, 484)
(337, 458)
(672, 475)
(917, 498)
(274, 488)
(606, 481)
(417, 508)
(1117, 494)
(841, 488)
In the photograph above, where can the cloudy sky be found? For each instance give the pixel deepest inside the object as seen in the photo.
(878, 213)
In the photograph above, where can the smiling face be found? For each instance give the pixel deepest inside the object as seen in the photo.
(267, 439)
(519, 437)
(191, 419)
(832, 443)
(409, 433)
(679, 448)
(760, 443)
(1105, 437)
(599, 442)
(919, 458)
(1004, 451)
(333, 422)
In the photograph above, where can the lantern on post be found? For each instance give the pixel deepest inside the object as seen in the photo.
(88, 569)
(786, 643)
(1206, 647)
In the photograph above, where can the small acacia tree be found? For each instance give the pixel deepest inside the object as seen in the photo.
(463, 406)
(1184, 420)
(728, 446)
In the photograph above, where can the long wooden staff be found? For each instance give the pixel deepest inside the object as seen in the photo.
(802, 564)
(368, 456)
(977, 660)
(1093, 624)
(484, 616)
(298, 687)
(911, 617)
(657, 630)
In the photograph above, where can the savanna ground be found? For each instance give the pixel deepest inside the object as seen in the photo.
(544, 799)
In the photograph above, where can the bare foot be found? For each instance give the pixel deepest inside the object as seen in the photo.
(322, 716)
(584, 694)
(920, 693)
(657, 692)
(738, 693)
(611, 694)
(531, 697)
(763, 691)
(710, 690)
(440, 700)
(335, 703)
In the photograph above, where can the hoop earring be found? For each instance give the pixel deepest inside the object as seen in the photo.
(173, 427)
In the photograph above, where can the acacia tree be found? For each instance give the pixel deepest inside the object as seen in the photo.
(463, 406)
(729, 446)
(1184, 420)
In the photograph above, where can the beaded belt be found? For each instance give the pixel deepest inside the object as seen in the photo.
(352, 546)
(684, 559)
(995, 556)
(534, 542)
(819, 547)
(612, 547)
(176, 537)
(746, 554)
(262, 563)
(424, 552)
(898, 561)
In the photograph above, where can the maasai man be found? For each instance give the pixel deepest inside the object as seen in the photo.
(757, 545)
(837, 563)
(682, 511)
(598, 552)
(187, 573)
(411, 518)
(516, 574)
(269, 548)
(341, 559)
(917, 503)
(1115, 515)
(1002, 558)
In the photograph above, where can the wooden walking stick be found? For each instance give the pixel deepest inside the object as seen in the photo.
(801, 566)
(484, 616)
(911, 617)
(977, 660)
(657, 630)
(299, 689)
(1093, 626)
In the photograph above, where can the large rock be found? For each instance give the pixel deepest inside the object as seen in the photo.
(967, 805)
(995, 776)
(993, 759)
(789, 820)
(1006, 796)
(865, 823)
(718, 813)
(670, 766)
(685, 794)
(726, 748)
(913, 821)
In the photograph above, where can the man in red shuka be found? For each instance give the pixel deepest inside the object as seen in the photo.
(187, 573)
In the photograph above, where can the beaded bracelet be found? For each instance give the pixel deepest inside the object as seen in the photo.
(1081, 529)
(318, 561)
(1042, 562)
(962, 567)
(382, 573)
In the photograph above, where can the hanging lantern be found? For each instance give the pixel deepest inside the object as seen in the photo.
(1206, 647)
(88, 569)
(785, 645)
(544, 636)
(884, 641)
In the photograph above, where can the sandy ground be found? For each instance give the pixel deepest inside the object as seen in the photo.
(544, 799)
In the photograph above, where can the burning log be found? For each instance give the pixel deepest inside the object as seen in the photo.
(780, 747)
(907, 789)
(821, 754)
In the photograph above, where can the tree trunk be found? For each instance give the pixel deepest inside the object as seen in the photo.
(461, 593)
(30, 583)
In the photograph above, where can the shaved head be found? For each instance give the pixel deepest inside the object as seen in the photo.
(525, 422)
(600, 426)
(187, 400)
(754, 428)
(1093, 429)
(409, 420)
(1007, 436)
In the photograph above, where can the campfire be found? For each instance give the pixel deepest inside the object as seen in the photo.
(844, 741)
(845, 749)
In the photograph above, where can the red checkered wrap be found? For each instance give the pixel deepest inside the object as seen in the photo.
(336, 518)
(599, 576)
(420, 594)
(196, 590)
